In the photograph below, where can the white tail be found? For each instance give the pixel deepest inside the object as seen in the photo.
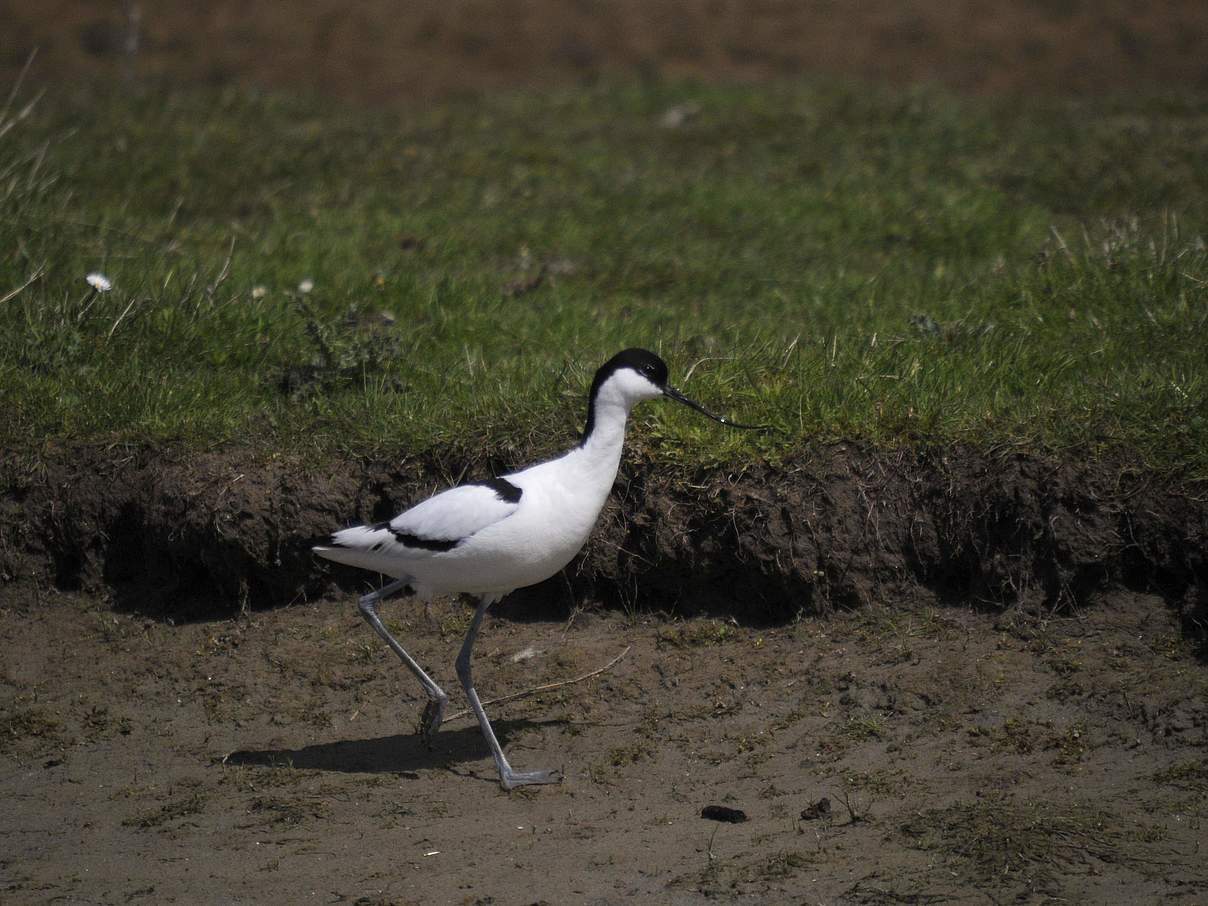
(363, 546)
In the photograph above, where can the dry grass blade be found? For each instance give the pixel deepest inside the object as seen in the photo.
(5, 122)
(121, 318)
(34, 277)
(544, 688)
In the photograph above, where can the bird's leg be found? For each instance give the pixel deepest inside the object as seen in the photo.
(385, 591)
(434, 711)
(507, 777)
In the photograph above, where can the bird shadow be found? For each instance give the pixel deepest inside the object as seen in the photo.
(403, 754)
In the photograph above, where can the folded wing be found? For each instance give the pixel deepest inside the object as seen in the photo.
(449, 518)
(439, 524)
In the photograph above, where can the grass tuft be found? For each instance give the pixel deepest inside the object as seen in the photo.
(996, 837)
(22, 724)
(175, 809)
(1191, 775)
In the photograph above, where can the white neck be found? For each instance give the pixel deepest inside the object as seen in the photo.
(599, 454)
(603, 445)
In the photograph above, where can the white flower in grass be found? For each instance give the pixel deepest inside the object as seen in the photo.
(259, 292)
(99, 282)
(306, 286)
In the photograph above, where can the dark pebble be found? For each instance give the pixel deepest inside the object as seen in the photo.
(721, 813)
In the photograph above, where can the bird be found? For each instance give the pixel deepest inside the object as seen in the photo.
(487, 538)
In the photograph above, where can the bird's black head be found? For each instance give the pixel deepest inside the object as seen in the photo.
(650, 382)
(643, 361)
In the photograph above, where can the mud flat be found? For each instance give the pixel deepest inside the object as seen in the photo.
(964, 756)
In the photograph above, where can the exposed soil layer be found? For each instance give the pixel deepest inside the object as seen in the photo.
(378, 51)
(844, 526)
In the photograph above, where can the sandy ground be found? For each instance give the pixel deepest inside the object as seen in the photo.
(965, 757)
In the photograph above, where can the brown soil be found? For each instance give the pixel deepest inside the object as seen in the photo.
(966, 758)
(380, 51)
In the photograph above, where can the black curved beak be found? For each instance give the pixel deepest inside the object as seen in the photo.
(674, 394)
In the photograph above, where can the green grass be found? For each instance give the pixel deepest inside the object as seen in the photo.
(837, 261)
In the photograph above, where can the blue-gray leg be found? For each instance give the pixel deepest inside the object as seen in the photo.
(507, 777)
(434, 711)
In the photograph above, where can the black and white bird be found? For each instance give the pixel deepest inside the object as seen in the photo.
(488, 538)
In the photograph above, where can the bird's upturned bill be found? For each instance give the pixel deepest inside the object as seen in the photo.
(674, 394)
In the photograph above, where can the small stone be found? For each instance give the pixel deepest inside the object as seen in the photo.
(723, 813)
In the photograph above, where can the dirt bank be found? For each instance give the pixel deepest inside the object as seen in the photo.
(843, 526)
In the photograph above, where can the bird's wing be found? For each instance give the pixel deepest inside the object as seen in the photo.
(440, 522)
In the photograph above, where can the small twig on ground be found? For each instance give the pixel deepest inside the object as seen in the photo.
(855, 811)
(544, 688)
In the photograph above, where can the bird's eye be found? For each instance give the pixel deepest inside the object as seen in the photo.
(649, 369)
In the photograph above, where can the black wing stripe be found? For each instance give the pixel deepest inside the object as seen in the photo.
(406, 539)
(504, 489)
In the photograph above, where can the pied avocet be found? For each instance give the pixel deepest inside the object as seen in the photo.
(490, 537)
